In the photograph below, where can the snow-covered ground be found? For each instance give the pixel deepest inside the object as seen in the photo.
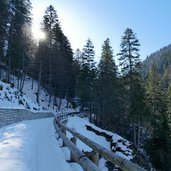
(79, 124)
(32, 146)
(11, 98)
(44, 98)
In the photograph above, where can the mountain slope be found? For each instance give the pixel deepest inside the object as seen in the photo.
(161, 59)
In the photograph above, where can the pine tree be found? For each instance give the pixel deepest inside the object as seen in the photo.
(87, 76)
(27, 45)
(68, 69)
(129, 53)
(158, 145)
(39, 64)
(129, 59)
(138, 109)
(20, 18)
(154, 95)
(169, 103)
(107, 88)
(3, 27)
(88, 55)
(64, 61)
(166, 77)
(50, 20)
(57, 60)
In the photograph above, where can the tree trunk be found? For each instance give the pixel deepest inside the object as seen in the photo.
(50, 64)
(39, 82)
(32, 84)
(90, 113)
(50, 81)
(134, 134)
(22, 82)
(9, 69)
(50, 96)
(59, 104)
(18, 81)
(139, 131)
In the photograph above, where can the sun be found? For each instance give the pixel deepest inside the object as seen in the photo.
(38, 34)
(41, 35)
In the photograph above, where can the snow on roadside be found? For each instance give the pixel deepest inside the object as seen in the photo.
(30, 92)
(10, 97)
(79, 124)
(31, 146)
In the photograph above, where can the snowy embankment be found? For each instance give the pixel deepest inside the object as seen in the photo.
(11, 98)
(80, 125)
(121, 147)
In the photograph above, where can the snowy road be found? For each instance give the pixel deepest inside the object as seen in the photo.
(31, 146)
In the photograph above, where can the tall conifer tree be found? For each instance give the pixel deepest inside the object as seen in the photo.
(57, 59)
(4, 15)
(129, 60)
(107, 87)
(159, 143)
(86, 76)
(20, 17)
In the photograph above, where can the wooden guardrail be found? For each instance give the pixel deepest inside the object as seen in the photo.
(122, 163)
(76, 154)
(62, 117)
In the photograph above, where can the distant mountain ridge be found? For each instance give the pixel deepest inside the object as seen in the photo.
(161, 59)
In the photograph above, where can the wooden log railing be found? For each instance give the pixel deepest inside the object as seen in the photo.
(62, 117)
(76, 154)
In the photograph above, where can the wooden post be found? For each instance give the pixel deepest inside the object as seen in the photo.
(95, 157)
(64, 132)
(57, 136)
(74, 140)
(72, 157)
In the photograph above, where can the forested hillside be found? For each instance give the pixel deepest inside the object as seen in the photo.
(162, 60)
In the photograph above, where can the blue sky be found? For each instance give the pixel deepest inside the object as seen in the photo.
(101, 19)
